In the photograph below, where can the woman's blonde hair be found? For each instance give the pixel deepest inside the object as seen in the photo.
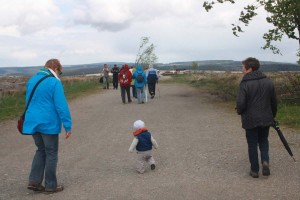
(53, 64)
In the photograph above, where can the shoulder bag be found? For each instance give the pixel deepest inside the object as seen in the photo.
(22, 117)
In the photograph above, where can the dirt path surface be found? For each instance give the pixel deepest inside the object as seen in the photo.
(202, 153)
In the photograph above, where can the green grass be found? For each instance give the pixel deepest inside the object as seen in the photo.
(12, 106)
(225, 88)
(81, 88)
(289, 114)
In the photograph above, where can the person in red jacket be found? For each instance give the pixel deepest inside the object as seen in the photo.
(125, 78)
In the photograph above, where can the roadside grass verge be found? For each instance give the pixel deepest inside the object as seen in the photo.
(223, 88)
(12, 104)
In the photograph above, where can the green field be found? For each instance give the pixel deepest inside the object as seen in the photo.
(225, 87)
(12, 105)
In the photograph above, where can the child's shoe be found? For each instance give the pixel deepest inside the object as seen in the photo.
(153, 167)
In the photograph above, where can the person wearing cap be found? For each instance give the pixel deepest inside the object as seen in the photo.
(143, 142)
(46, 113)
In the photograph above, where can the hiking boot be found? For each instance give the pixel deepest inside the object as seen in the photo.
(254, 174)
(55, 190)
(153, 167)
(266, 169)
(35, 186)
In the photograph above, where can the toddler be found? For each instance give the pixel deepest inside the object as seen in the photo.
(143, 142)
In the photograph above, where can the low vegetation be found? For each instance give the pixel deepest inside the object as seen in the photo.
(12, 102)
(224, 86)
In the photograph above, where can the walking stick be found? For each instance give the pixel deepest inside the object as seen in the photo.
(146, 95)
(158, 90)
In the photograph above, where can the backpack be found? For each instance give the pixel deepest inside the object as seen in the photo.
(140, 78)
(124, 78)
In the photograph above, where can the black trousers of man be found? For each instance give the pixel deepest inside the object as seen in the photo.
(151, 88)
(127, 90)
(115, 82)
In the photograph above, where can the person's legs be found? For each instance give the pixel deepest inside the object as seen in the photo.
(104, 82)
(140, 162)
(38, 163)
(142, 94)
(107, 82)
(114, 83)
(149, 157)
(264, 144)
(123, 93)
(264, 149)
(154, 84)
(252, 140)
(134, 94)
(51, 149)
(151, 90)
(128, 93)
(138, 92)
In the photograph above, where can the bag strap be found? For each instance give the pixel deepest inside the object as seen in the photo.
(33, 90)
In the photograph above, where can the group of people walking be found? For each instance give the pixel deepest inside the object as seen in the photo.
(135, 78)
(256, 103)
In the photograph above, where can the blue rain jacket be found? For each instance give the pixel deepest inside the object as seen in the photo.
(139, 70)
(48, 108)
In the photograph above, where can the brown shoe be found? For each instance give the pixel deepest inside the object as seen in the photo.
(266, 169)
(55, 190)
(254, 174)
(35, 186)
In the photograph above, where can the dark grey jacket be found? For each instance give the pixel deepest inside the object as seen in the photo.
(256, 100)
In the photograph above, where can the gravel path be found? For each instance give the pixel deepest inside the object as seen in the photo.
(202, 153)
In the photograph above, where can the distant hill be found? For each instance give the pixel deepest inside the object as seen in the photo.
(94, 68)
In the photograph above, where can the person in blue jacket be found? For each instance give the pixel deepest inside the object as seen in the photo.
(140, 81)
(47, 112)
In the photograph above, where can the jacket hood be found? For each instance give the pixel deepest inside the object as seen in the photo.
(139, 68)
(255, 75)
(126, 67)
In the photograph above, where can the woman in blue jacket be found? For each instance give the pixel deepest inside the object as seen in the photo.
(140, 81)
(47, 112)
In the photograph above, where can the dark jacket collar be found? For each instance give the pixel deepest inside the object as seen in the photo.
(255, 75)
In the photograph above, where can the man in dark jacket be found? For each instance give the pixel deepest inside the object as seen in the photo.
(256, 103)
(115, 71)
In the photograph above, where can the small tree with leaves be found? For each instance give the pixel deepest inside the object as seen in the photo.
(283, 14)
(194, 67)
(146, 54)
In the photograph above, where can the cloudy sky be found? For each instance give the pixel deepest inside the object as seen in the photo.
(91, 31)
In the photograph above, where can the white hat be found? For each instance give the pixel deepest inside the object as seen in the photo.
(138, 124)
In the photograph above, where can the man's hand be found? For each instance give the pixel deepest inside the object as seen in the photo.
(68, 134)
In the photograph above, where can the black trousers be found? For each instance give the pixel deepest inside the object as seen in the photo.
(258, 137)
(127, 90)
(115, 82)
(151, 88)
